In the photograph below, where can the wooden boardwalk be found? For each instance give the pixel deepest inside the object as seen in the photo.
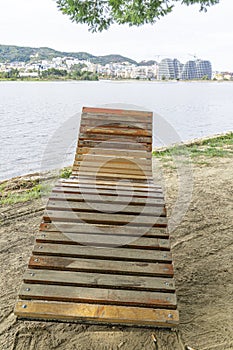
(102, 254)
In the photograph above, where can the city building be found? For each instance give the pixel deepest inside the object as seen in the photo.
(204, 69)
(198, 69)
(169, 69)
(189, 71)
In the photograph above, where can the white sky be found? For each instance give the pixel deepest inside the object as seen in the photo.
(183, 32)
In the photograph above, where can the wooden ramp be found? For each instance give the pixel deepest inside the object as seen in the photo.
(102, 254)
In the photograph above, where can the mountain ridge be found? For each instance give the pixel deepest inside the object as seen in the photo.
(12, 53)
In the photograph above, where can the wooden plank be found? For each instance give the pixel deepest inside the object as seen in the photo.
(115, 121)
(123, 254)
(106, 281)
(114, 131)
(158, 232)
(109, 138)
(114, 152)
(101, 240)
(101, 266)
(112, 176)
(140, 162)
(106, 296)
(105, 192)
(95, 313)
(92, 177)
(114, 165)
(115, 144)
(95, 198)
(116, 186)
(113, 111)
(102, 218)
(105, 207)
(87, 166)
(96, 168)
(140, 185)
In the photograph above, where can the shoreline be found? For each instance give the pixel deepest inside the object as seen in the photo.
(115, 80)
(192, 142)
(196, 141)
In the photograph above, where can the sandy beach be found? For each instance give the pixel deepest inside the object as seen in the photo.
(202, 254)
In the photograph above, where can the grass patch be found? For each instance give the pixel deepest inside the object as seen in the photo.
(19, 190)
(220, 146)
(21, 197)
(219, 141)
(65, 173)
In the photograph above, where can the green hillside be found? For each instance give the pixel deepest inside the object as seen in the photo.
(10, 53)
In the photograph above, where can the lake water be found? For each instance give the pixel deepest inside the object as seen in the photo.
(40, 120)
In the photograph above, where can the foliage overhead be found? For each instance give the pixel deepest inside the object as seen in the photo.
(100, 14)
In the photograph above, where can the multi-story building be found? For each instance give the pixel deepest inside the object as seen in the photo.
(173, 69)
(204, 69)
(169, 69)
(189, 71)
(196, 70)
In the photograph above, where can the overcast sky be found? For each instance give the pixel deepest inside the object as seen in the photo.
(183, 33)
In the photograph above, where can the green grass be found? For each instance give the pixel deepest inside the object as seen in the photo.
(2, 186)
(24, 191)
(65, 173)
(21, 197)
(220, 146)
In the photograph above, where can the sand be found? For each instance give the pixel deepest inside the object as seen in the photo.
(202, 253)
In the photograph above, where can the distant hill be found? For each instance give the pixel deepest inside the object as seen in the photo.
(10, 53)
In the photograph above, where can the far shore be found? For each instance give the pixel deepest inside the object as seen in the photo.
(114, 80)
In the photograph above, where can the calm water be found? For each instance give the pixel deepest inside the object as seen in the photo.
(40, 120)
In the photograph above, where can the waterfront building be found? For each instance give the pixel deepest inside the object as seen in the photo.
(189, 71)
(204, 69)
(169, 69)
(198, 69)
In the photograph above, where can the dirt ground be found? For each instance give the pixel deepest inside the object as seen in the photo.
(202, 253)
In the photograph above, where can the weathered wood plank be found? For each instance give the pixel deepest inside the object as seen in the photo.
(112, 186)
(101, 240)
(123, 254)
(106, 281)
(115, 144)
(139, 185)
(92, 176)
(114, 152)
(109, 138)
(158, 232)
(102, 218)
(117, 111)
(105, 191)
(107, 296)
(101, 266)
(95, 313)
(112, 165)
(96, 197)
(112, 176)
(85, 179)
(115, 131)
(142, 161)
(84, 167)
(113, 121)
(105, 207)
